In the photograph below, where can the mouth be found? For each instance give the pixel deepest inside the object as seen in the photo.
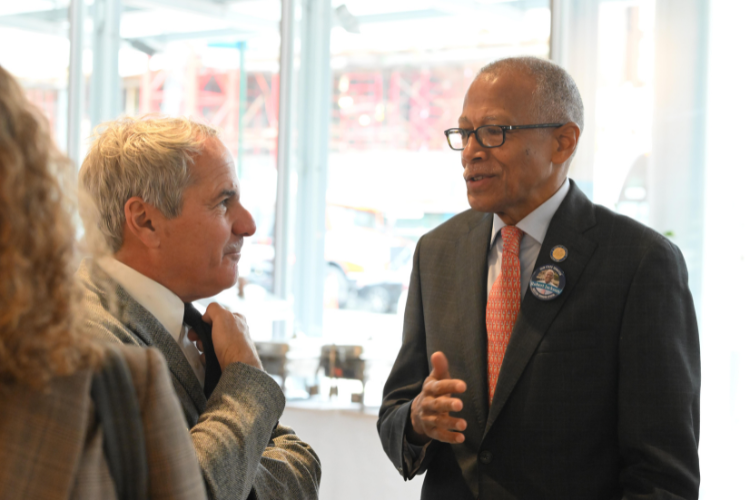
(233, 251)
(477, 178)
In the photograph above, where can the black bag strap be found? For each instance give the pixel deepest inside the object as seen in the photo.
(119, 414)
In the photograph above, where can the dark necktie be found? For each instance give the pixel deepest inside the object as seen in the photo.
(213, 370)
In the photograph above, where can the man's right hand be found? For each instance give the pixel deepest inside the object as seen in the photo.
(231, 337)
(430, 410)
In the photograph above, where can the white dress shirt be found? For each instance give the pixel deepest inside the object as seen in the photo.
(534, 227)
(161, 302)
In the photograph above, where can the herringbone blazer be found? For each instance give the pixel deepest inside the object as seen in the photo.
(52, 445)
(598, 394)
(239, 447)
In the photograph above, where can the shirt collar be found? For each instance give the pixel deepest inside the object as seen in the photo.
(157, 299)
(537, 222)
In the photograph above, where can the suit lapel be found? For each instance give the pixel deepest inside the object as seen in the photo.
(149, 332)
(473, 286)
(153, 333)
(574, 216)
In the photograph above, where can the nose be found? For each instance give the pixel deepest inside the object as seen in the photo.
(473, 151)
(244, 224)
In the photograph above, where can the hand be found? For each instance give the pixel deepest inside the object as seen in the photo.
(193, 337)
(231, 337)
(430, 410)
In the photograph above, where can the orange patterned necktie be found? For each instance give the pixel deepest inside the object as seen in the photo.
(503, 304)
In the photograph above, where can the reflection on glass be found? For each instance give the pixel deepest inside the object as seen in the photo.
(396, 86)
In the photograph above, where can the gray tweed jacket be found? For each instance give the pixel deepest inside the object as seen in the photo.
(52, 441)
(240, 453)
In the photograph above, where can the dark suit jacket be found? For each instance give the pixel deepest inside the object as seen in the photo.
(239, 446)
(598, 395)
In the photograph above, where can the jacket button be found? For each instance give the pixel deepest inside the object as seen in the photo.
(485, 457)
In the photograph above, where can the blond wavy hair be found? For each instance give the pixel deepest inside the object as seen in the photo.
(39, 339)
(149, 157)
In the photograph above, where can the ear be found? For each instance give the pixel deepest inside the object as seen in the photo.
(141, 220)
(566, 140)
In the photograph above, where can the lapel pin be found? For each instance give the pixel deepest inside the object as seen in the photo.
(547, 282)
(558, 253)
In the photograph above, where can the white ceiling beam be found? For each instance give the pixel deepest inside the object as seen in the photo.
(159, 40)
(453, 7)
(210, 9)
(28, 23)
(408, 15)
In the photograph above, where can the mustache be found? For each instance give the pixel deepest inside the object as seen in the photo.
(233, 248)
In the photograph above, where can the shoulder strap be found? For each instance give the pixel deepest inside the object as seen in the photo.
(119, 414)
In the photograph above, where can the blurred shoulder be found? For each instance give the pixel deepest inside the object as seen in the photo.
(458, 226)
(146, 364)
(620, 232)
(100, 305)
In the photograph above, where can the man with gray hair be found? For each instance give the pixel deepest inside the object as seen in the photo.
(508, 388)
(163, 198)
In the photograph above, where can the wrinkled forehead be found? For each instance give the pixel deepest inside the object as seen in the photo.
(508, 93)
(213, 163)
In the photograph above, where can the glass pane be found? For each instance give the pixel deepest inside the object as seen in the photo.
(225, 73)
(42, 66)
(397, 85)
(214, 63)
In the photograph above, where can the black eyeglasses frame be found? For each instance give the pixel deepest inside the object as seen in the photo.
(467, 133)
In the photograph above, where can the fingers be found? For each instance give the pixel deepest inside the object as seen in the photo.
(431, 419)
(439, 366)
(447, 436)
(445, 428)
(213, 311)
(437, 388)
(431, 410)
(439, 383)
(193, 337)
(442, 404)
(231, 337)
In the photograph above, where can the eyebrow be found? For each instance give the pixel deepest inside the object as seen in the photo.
(226, 193)
(488, 120)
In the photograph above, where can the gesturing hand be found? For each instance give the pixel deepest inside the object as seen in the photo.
(430, 410)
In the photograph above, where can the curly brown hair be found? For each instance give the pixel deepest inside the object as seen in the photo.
(38, 337)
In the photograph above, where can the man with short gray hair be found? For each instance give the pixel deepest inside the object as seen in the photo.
(162, 198)
(550, 346)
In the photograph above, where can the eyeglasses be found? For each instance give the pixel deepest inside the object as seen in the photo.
(488, 136)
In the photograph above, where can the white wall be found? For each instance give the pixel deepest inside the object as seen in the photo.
(725, 330)
(355, 467)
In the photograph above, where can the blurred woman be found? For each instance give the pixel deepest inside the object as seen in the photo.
(53, 431)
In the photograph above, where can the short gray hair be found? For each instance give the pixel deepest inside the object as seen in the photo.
(147, 157)
(556, 97)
